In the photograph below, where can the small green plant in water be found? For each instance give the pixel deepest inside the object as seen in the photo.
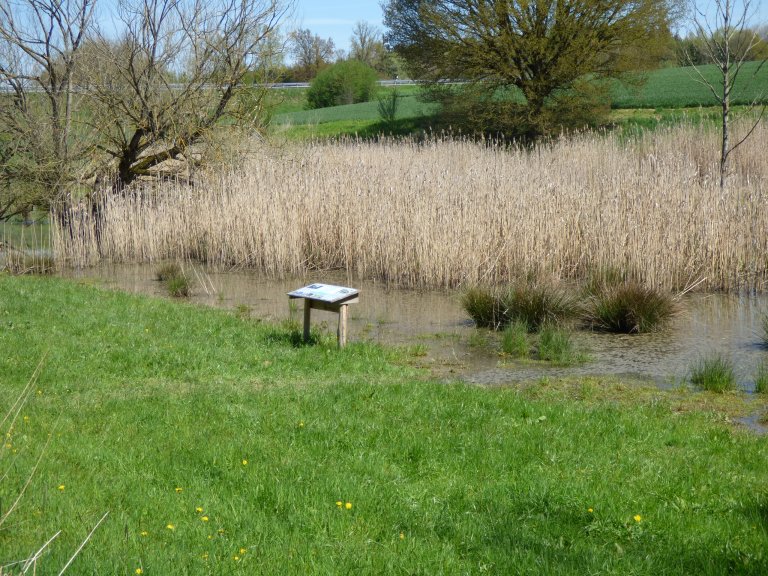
(167, 271)
(178, 287)
(514, 340)
(761, 378)
(556, 345)
(714, 373)
(175, 279)
(628, 307)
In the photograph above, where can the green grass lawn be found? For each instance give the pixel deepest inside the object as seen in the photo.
(682, 88)
(223, 446)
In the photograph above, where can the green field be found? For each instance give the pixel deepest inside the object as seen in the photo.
(667, 92)
(221, 445)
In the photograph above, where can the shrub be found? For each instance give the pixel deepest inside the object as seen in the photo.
(536, 304)
(347, 82)
(714, 373)
(388, 105)
(514, 340)
(628, 308)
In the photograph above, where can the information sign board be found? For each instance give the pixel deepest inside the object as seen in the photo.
(324, 293)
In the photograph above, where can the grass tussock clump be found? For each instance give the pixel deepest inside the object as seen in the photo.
(482, 305)
(537, 304)
(628, 307)
(531, 304)
(714, 373)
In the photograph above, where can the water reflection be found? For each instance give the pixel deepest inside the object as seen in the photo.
(435, 321)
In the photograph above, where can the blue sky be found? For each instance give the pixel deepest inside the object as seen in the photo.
(335, 19)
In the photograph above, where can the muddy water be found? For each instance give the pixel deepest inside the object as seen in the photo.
(436, 329)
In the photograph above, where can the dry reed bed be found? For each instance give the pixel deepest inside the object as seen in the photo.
(452, 212)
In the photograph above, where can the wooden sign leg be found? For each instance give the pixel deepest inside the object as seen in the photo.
(307, 314)
(343, 312)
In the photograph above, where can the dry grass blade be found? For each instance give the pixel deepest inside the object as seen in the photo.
(83, 543)
(10, 418)
(31, 562)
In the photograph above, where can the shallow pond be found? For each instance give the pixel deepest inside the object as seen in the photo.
(435, 328)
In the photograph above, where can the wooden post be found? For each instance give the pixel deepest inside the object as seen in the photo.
(307, 314)
(342, 332)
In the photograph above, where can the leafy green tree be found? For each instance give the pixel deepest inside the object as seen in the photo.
(347, 82)
(541, 48)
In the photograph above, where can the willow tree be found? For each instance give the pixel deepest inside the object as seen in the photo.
(174, 74)
(40, 149)
(552, 51)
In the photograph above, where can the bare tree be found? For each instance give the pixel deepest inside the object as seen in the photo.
(728, 41)
(173, 76)
(39, 44)
(310, 52)
(367, 45)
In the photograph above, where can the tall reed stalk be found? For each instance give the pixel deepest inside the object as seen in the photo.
(449, 212)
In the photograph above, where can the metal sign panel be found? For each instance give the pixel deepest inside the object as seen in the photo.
(324, 292)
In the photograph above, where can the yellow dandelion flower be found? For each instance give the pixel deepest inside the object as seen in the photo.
(170, 527)
(220, 530)
(139, 571)
(243, 551)
(204, 518)
(61, 487)
(210, 537)
(26, 418)
(245, 462)
(301, 424)
(179, 490)
(205, 556)
(236, 558)
(339, 503)
(402, 536)
(590, 510)
(637, 517)
(144, 533)
(348, 505)
(198, 509)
